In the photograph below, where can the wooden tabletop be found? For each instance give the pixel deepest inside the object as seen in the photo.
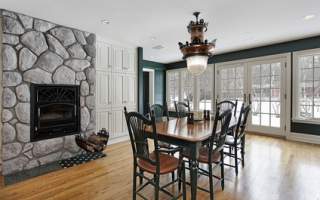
(179, 128)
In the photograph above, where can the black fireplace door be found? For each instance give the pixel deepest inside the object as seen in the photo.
(55, 111)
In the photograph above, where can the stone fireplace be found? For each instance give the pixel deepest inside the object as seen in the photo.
(36, 51)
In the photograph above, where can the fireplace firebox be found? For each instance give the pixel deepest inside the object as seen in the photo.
(55, 111)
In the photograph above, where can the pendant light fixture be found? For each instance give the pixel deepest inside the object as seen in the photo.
(197, 52)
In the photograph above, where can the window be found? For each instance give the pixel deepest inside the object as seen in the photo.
(307, 85)
(173, 82)
(230, 83)
(182, 86)
(266, 90)
(205, 85)
(187, 87)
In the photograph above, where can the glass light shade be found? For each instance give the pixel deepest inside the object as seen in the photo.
(197, 64)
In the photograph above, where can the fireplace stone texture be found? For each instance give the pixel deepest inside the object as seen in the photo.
(38, 51)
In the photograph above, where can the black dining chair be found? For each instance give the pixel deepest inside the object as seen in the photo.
(182, 108)
(237, 140)
(161, 114)
(160, 111)
(227, 104)
(156, 162)
(212, 154)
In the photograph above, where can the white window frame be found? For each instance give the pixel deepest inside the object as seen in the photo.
(195, 91)
(197, 87)
(295, 85)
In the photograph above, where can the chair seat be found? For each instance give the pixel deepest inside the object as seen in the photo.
(230, 140)
(164, 145)
(167, 164)
(204, 155)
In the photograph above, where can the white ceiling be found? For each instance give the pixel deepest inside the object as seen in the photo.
(236, 24)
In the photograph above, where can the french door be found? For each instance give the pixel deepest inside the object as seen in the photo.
(260, 82)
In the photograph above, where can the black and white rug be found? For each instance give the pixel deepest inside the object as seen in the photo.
(80, 159)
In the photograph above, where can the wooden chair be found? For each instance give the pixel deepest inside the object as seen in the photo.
(160, 111)
(161, 114)
(182, 108)
(226, 104)
(212, 154)
(156, 163)
(237, 140)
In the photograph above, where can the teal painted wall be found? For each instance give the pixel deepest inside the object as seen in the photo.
(159, 76)
(160, 80)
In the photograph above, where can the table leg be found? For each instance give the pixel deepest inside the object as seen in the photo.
(194, 170)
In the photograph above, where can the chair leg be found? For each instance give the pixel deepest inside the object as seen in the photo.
(222, 169)
(184, 189)
(180, 171)
(236, 159)
(211, 182)
(172, 176)
(134, 188)
(243, 144)
(141, 179)
(157, 187)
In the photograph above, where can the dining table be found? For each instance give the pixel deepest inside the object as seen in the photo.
(177, 131)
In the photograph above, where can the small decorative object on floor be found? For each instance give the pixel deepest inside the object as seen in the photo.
(80, 159)
(95, 142)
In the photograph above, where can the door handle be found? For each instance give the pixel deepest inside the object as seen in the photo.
(244, 98)
(250, 99)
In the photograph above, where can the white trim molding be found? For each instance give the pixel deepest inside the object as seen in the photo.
(307, 138)
(119, 139)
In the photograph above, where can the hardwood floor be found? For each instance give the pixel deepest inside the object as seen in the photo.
(275, 170)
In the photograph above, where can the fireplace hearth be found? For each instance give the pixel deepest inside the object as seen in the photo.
(55, 111)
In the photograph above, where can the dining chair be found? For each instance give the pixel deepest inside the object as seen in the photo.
(237, 140)
(212, 154)
(156, 162)
(161, 114)
(182, 108)
(160, 111)
(227, 104)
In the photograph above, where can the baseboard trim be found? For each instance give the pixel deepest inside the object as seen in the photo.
(299, 137)
(266, 134)
(118, 139)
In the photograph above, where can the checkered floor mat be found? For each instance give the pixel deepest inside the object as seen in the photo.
(80, 159)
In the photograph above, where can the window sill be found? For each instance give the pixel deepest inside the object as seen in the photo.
(306, 121)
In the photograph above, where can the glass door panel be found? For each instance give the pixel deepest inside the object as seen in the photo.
(205, 89)
(187, 87)
(266, 91)
(231, 83)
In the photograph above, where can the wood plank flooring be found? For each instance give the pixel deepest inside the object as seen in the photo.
(275, 170)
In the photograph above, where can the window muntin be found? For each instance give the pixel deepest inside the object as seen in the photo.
(187, 87)
(265, 90)
(173, 80)
(205, 90)
(231, 85)
(307, 80)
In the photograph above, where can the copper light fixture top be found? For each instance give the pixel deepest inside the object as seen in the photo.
(197, 46)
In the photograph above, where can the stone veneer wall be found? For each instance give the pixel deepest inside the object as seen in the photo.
(38, 51)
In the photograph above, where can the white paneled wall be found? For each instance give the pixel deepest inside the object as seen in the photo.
(0, 93)
(116, 86)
